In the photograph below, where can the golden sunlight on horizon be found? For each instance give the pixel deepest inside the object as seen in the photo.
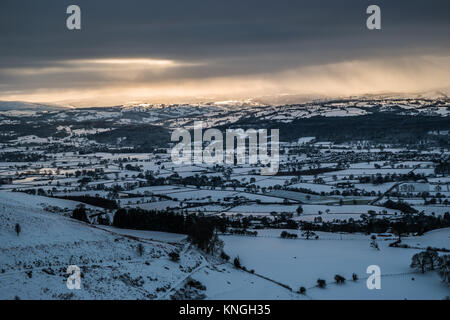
(120, 80)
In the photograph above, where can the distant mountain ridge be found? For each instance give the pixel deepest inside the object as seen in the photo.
(269, 100)
(28, 106)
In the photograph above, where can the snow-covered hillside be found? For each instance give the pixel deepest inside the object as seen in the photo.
(21, 106)
(33, 264)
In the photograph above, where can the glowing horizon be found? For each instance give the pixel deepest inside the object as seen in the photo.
(126, 83)
(200, 50)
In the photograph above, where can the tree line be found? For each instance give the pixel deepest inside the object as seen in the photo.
(201, 230)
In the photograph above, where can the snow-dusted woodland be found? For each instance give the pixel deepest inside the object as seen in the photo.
(345, 197)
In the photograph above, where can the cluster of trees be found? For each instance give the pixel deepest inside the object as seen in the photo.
(79, 213)
(22, 157)
(308, 233)
(430, 260)
(200, 230)
(339, 279)
(303, 190)
(174, 256)
(143, 137)
(136, 218)
(39, 192)
(94, 201)
(345, 193)
(278, 221)
(198, 180)
(202, 233)
(399, 205)
(282, 221)
(321, 283)
(287, 235)
(132, 168)
(418, 224)
(425, 260)
(443, 167)
(96, 173)
(380, 179)
(308, 172)
(243, 232)
(381, 127)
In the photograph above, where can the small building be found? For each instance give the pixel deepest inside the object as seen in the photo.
(414, 187)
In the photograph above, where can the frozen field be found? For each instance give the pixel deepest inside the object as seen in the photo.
(301, 262)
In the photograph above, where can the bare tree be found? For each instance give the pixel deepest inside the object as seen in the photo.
(399, 228)
(444, 268)
(425, 260)
(419, 261)
(433, 258)
(18, 229)
(373, 242)
(140, 249)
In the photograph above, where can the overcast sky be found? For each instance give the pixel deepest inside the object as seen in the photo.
(169, 50)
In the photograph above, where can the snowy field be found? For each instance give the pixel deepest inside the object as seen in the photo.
(301, 262)
(33, 264)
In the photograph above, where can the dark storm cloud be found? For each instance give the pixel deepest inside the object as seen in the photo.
(34, 31)
(225, 38)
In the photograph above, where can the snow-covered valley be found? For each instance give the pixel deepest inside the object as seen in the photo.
(362, 181)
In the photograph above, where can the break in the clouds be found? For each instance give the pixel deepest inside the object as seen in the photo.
(173, 50)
